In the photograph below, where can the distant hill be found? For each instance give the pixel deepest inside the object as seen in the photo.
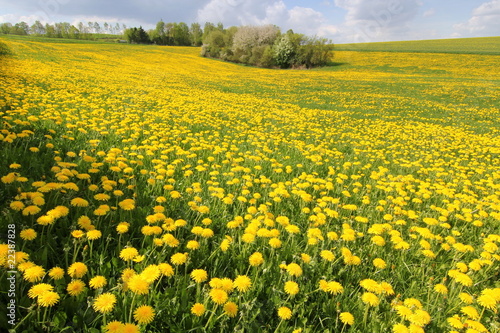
(482, 45)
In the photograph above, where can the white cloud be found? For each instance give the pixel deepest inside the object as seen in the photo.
(259, 12)
(377, 20)
(485, 21)
(29, 19)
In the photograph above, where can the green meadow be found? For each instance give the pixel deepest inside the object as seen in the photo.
(148, 189)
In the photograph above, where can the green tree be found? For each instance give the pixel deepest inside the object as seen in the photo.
(213, 44)
(74, 32)
(137, 36)
(207, 29)
(314, 52)
(50, 31)
(21, 28)
(37, 28)
(196, 34)
(5, 28)
(181, 34)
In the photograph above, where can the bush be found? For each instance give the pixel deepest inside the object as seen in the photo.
(265, 46)
(284, 51)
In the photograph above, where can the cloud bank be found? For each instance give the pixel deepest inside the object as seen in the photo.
(485, 21)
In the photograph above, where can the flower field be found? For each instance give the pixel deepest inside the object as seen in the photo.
(147, 189)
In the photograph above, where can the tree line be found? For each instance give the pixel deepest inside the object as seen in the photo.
(62, 29)
(263, 46)
(174, 34)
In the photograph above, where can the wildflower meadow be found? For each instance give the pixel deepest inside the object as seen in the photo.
(148, 189)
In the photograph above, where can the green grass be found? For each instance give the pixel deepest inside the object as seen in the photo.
(482, 45)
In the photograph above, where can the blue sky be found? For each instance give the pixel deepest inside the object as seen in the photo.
(342, 21)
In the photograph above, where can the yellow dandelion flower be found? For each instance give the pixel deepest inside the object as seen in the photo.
(76, 287)
(104, 303)
(77, 270)
(198, 309)
(166, 269)
(441, 289)
(34, 273)
(291, 287)
(463, 279)
(28, 234)
(400, 328)
(225, 244)
(39, 289)
(403, 311)
(347, 318)
(170, 240)
(122, 227)
(231, 309)
(31, 210)
(371, 285)
(127, 204)
(102, 197)
(139, 258)
(275, 243)
(370, 299)
(218, 296)
(56, 273)
(138, 285)
(97, 282)
(379, 263)
(199, 275)
(151, 273)
(58, 212)
(412, 303)
(256, 259)
(420, 318)
(79, 202)
(487, 300)
(470, 311)
(455, 322)
(226, 284)
(242, 283)
(475, 326)
(305, 258)
(77, 233)
(94, 234)
(179, 258)
(130, 328)
(127, 273)
(128, 253)
(17, 205)
(284, 313)
(45, 220)
(327, 255)
(48, 298)
(294, 269)
(207, 233)
(144, 314)
(335, 288)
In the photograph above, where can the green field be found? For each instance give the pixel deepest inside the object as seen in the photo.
(483, 45)
(147, 189)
